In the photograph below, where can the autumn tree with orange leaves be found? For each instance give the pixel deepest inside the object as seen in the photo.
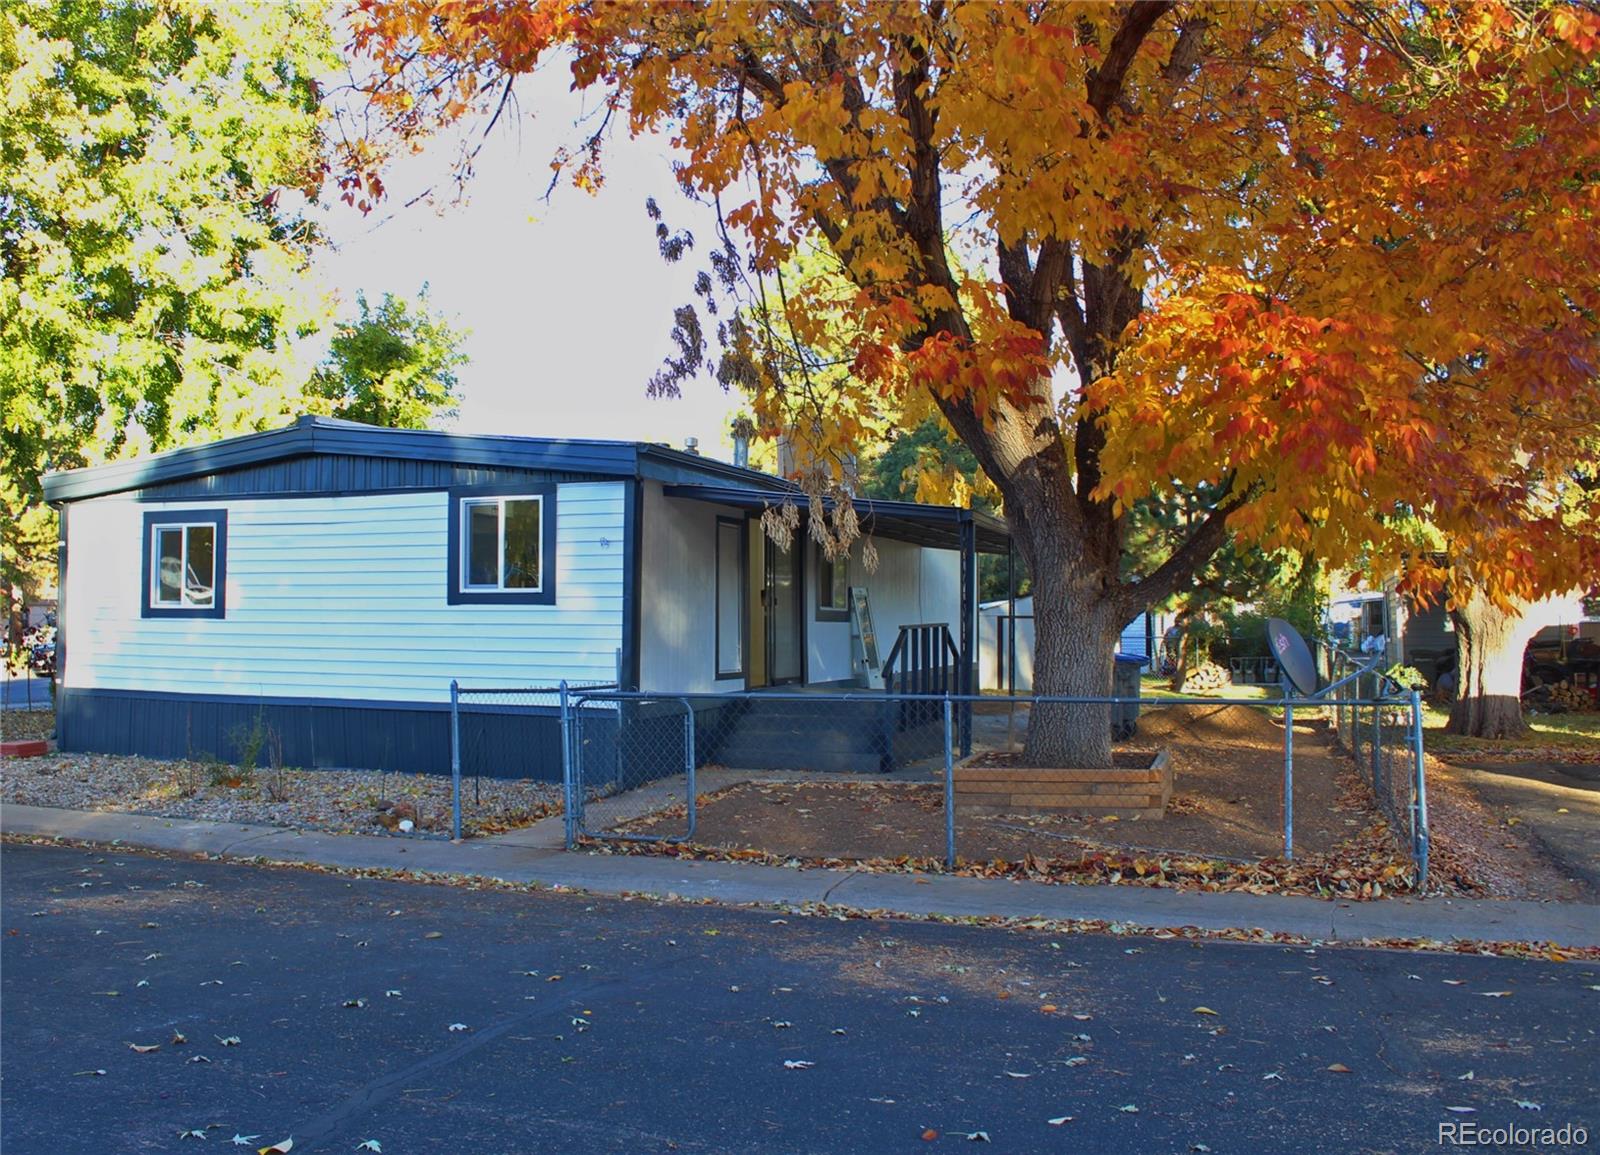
(1337, 263)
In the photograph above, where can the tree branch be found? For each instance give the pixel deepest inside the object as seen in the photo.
(1105, 82)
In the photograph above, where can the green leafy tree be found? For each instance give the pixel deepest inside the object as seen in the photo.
(151, 257)
(394, 365)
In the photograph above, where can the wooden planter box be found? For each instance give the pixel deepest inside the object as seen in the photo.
(1125, 792)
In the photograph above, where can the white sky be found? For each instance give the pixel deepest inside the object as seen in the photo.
(568, 302)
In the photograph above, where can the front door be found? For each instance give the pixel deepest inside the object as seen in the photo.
(784, 621)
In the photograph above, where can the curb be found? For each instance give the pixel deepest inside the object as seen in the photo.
(1134, 909)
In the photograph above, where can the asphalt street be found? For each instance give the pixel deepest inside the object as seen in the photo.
(429, 1018)
(1558, 803)
(24, 691)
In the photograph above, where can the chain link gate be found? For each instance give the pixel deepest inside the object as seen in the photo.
(627, 760)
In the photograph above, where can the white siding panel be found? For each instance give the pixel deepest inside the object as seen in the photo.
(912, 585)
(342, 598)
(679, 623)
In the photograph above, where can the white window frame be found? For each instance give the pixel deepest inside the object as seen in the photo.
(464, 562)
(184, 602)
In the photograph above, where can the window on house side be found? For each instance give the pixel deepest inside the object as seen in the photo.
(730, 598)
(501, 546)
(832, 592)
(184, 559)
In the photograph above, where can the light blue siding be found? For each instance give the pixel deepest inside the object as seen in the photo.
(342, 598)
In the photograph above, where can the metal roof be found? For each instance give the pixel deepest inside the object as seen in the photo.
(328, 436)
(685, 475)
(935, 526)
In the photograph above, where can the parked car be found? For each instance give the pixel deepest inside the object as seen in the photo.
(40, 644)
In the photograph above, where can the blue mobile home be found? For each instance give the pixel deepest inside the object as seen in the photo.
(333, 578)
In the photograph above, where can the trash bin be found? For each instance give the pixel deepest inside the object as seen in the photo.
(1125, 684)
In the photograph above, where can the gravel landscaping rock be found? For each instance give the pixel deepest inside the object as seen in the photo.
(340, 801)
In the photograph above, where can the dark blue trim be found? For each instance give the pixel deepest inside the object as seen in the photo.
(632, 584)
(61, 603)
(408, 737)
(455, 595)
(219, 574)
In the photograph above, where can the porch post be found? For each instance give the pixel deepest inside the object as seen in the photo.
(969, 613)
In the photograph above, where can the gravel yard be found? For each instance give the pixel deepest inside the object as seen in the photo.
(341, 801)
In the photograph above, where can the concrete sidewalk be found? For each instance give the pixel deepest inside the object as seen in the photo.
(528, 857)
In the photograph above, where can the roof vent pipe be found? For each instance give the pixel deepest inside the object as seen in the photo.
(691, 445)
(741, 450)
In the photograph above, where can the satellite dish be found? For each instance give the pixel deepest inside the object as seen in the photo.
(1293, 656)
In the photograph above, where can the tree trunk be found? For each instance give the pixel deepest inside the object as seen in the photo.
(1075, 637)
(1180, 667)
(1489, 645)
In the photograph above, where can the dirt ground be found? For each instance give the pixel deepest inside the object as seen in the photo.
(1226, 803)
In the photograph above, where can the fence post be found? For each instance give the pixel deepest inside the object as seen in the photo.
(1378, 783)
(1288, 782)
(569, 818)
(949, 789)
(455, 760)
(1419, 792)
(689, 761)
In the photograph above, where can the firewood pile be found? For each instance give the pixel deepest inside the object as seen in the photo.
(1206, 678)
(1569, 696)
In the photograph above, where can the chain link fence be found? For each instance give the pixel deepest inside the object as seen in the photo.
(507, 755)
(919, 779)
(1380, 726)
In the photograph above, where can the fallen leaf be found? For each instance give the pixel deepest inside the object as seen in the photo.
(1129, 1109)
(137, 1049)
(781, 1025)
(1463, 1110)
(355, 1002)
(196, 1133)
(929, 1135)
(178, 1038)
(978, 1136)
(1467, 1078)
(1048, 1009)
(1339, 1069)
(1059, 1120)
(100, 1071)
(434, 934)
(243, 1140)
(1204, 1011)
(230, 1041)
(459, 1027)
(1453, 982)
(1018, 1075)
(1494, 994)
(141, 983)
(370, 1145)
(282, 1147)
(391, 994)
(1272, 1075)
(1528, 1104)
(797, 1064)
(1076, 1061)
